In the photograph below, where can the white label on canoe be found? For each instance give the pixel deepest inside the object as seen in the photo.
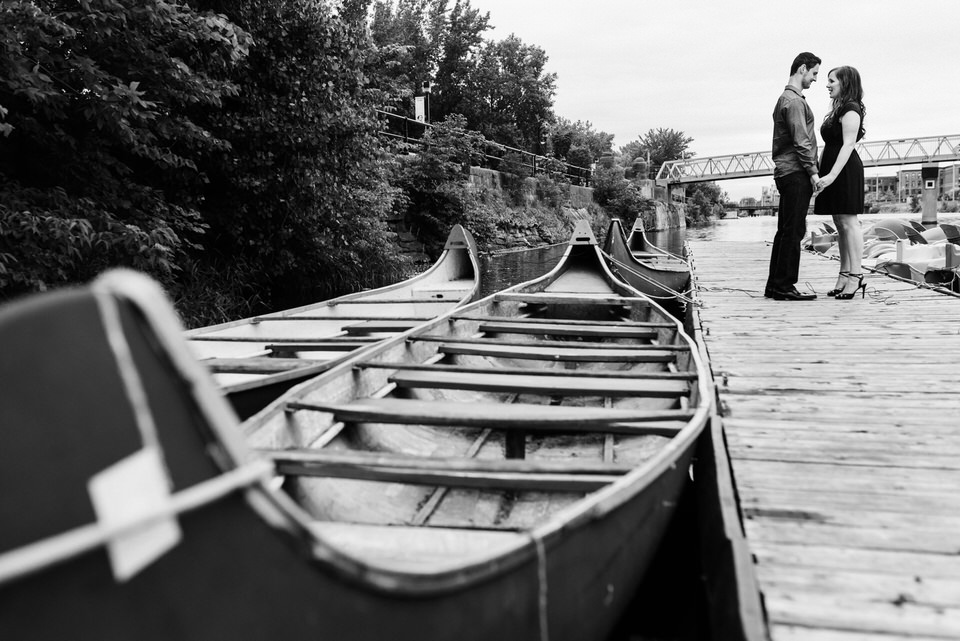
(129, 491)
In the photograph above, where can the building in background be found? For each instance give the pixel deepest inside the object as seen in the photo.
(950, 182)
(881, 188)
(909, 184)
(770, 196)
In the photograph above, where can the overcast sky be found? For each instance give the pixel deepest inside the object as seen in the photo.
(713, 69)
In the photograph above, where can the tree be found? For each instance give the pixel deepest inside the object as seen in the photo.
(101, 103)
(500, 87)
(509, 97)
(297, 208)
(663, 145)
(565, 135)
(460, 48)
(410, 39)
(704, 201)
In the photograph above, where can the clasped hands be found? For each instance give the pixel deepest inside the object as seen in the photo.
(821, 184)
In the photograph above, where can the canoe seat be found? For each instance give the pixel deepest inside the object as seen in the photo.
(564, 298)
(540, 384)
(564, 322)
(416, 549)
(551, 353)
(322, 346)
(514, 474)
(262, 365)
(515, 416)
(558, 329)
(380, 326)
(635, 374)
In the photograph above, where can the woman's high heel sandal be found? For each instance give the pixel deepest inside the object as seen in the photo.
(834, 292)
(861, 287)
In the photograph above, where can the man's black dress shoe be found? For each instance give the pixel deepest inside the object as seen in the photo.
(788, 294)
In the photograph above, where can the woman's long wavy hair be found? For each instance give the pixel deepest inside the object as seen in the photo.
(851, 90)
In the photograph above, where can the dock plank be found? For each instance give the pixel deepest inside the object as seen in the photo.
(840, 426)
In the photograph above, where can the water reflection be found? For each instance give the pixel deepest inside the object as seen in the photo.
(503, 269)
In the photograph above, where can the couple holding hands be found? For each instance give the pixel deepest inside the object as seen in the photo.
(836, 179)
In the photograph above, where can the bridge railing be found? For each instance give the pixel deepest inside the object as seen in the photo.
(411, 130)
(905, 151)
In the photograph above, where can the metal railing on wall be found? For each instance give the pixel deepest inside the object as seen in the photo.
(495, 155)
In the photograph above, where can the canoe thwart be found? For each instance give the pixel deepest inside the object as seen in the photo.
(261, 365)
(564, 322)
(535, 351)
(414, 473)
(504, 417)
(572, 299)
(383, 325)
(556, 329)
(304, 460)
(496, 381)
(530, 371)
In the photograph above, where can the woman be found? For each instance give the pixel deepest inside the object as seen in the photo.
(840, 188)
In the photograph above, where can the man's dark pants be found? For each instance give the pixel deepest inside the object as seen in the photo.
(795, 193)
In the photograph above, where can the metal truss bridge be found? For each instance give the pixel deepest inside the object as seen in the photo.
(908, 151)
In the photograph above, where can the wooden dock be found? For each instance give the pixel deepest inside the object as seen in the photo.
(842, 421)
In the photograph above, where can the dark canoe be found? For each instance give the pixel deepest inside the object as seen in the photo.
(653, 271)
(642, 248)
(503, 472)
(255, 360)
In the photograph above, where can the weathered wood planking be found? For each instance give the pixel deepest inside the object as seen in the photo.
(841, 426)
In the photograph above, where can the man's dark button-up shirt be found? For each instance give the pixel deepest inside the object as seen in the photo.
(794, 137)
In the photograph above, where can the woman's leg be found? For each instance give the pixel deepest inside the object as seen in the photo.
(851, 250)
(841, 243)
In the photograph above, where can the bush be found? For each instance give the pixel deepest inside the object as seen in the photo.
(619, 197)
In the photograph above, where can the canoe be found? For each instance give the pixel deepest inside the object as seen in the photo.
(642, 248)
(505, 471)
(256, 359)
(664, 278)
(131, 507)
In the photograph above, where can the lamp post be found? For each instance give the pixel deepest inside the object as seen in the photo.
(422, 102)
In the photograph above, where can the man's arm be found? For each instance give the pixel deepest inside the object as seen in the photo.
(804, 145)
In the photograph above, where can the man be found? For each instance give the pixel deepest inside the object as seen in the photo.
(795, 173)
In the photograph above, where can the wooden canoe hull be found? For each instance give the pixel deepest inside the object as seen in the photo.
(659, 278)
(256, 359)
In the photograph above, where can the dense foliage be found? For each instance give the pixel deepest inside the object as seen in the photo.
(100, 161)
(704, 202)
(229, 149)
(297, 207)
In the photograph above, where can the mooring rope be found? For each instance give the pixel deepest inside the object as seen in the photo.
(673, 293)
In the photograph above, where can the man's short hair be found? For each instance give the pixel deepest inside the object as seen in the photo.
(805, 58)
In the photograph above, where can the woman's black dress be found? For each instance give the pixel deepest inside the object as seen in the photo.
(845, 195)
